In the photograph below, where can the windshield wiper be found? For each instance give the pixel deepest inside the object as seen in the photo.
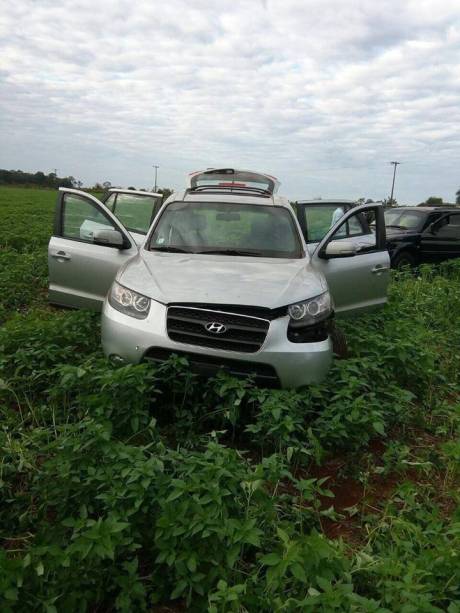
(231, 252)
(395, 226)
(170, 249)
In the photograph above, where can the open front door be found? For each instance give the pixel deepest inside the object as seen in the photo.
(355, 261)
(88, 246)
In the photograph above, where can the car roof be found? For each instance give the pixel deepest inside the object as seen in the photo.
(227, 196)
(138, 192)
(425, 209)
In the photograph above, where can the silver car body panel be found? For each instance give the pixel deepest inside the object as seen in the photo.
(214, 279)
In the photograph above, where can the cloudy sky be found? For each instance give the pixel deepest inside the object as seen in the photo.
(321, 93)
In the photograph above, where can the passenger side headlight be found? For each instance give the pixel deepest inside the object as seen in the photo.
(310, 311)
(129, 302)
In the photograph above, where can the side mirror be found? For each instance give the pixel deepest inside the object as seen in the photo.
(340, 249)
(109, 237)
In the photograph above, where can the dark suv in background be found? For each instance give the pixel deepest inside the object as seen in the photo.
(422, 234)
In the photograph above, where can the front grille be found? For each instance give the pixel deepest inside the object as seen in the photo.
(263, 374)
(243, 333)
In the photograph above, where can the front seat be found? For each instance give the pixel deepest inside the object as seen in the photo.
(189, 229)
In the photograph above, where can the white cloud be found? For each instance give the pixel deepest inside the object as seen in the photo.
(321, 94)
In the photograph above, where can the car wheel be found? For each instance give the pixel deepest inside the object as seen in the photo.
(339, 342)
(405, 258)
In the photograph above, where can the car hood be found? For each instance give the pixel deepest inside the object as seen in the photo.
(213, 279)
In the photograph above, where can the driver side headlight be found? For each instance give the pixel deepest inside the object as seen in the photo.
(129, 302)
(310, 311)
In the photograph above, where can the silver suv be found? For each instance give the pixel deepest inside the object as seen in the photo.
(223, 276)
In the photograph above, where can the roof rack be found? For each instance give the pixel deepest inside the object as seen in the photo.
(217, 189)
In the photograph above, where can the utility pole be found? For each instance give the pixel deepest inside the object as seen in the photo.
(156, 171)
(395, 164)
(55, 171)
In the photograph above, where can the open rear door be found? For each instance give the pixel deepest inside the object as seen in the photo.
(88, 246)
(355, 261)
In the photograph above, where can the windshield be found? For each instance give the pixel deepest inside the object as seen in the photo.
(404, 219)
(227, 229)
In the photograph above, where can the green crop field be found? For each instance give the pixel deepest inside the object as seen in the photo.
(144, 488)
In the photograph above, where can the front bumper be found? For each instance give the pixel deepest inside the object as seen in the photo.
(295, 364)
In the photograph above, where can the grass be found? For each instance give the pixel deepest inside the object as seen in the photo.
(144, 488)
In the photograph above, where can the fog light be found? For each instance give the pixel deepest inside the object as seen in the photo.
(117, 360)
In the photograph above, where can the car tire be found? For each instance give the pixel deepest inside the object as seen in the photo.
(404, 258)
(339, 343)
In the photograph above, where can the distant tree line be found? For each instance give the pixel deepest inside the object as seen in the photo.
(51, 180)
(19, 177)
(438, 201)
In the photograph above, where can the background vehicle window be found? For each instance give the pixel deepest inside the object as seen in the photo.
(81, 218)
(319, 219)
(135, 212)
(449, 227)
(357, 232)
(406, 220)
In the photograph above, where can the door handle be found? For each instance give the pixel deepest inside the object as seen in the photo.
(379, 269)
(61, 255)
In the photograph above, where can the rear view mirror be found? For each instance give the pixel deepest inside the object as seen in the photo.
(341, 249)
(109, 237)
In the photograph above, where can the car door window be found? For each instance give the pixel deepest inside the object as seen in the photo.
(81, 218)
(317, 220)
(136, 212)
(449, 227)
(110, 201)
(354, 229)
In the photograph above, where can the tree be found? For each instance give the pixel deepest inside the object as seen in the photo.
(434, 201)
(165, 192)
(388, 202)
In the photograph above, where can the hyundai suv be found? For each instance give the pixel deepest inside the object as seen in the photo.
(223, 276)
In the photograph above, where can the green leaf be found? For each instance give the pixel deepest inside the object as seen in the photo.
(179, 589)
(191, 563)
(271, 559)
(379, 427)
(11, 593)
(298, 572)
(174, 495)
(40, 569)
(232, 555)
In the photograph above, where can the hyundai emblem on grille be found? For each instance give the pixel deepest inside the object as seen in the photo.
(215, 327)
